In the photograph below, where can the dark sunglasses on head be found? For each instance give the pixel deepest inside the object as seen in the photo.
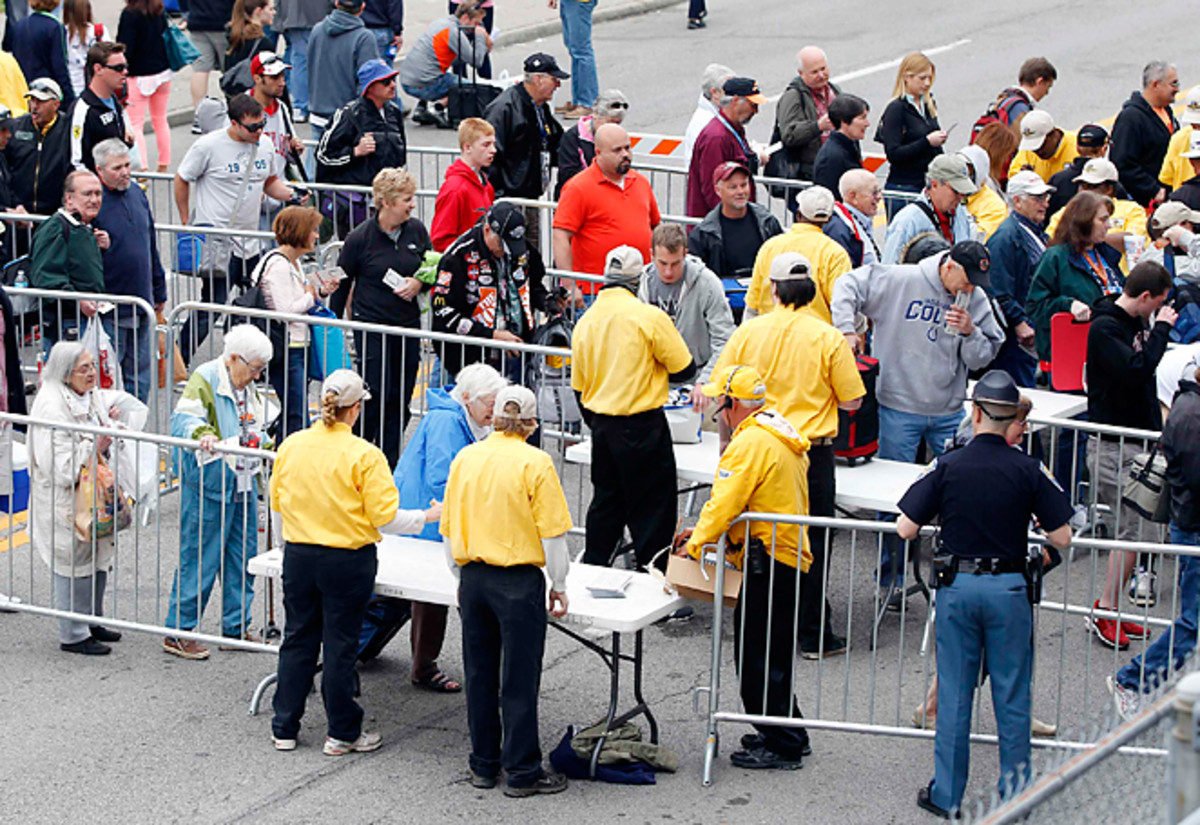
(253, 127)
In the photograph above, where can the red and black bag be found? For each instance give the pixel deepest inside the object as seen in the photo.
(858, 430)
(1000, 111)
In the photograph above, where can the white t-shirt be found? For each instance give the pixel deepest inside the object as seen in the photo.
(1170, 370)
(216, 165)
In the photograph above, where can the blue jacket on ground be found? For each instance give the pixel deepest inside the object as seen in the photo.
(339, 44)
(424, 465)
(131, 262)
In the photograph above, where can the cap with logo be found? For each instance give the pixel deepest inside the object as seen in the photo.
(1191, 107)
(373, 71)
(623, 265)
(5, 117)
(508, 222)
(522, 396)
(790, 266)
(997, 387)
(1035, 126)
(724, 170)
(736, 381)
(45, 89)
(1193, 150)
(542, 63)
(815, 203)
(348, 387)
(1092, 136)
(1097, 171)
(745, 87)
(268, 64)
(1028, 183)
(973, 257)
(1173, 212)
(952, 171)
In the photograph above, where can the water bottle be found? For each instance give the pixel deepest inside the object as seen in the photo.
(389, 56)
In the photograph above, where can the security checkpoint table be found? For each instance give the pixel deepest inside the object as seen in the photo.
(416, 569)
(1046, 404)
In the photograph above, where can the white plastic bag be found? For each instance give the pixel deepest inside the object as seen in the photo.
(108, 364)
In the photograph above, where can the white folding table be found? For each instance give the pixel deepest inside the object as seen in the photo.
(416, 569)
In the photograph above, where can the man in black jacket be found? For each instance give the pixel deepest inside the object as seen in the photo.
(98, 115)
(39, 152)
(1091, 142)
(489, 285)
(1141, 133)
(1123, 352)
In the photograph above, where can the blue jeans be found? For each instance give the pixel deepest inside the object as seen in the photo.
(577, 37)
(132, 338)
(297, 76)
(310, 157)
(980, 615)
(295, 394)
(900, 436)
(1169, 650)
(436, 90)
(216, 537)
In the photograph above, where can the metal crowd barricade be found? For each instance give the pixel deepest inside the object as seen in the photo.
(838, 695)
(145, 565)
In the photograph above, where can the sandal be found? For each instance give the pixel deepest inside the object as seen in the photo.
(437, 682)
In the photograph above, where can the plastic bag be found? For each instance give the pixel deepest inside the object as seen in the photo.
(108, 364)
(100, 508)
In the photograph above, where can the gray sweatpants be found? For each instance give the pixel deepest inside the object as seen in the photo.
(76, 595)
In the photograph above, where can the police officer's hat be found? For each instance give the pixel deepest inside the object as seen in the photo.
(997, 387)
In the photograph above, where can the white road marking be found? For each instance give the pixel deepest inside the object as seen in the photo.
(879, 67)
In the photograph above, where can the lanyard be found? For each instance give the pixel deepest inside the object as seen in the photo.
(732, 131)
(1099, 269)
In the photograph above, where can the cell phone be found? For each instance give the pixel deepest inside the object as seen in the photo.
(950, 128)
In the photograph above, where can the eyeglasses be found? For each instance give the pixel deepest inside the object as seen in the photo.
(119, 67)
(253, 127)
(84, 369)
(254, 371)
(618, 104)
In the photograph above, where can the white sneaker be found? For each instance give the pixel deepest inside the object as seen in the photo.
(283, 744)
(1141, 589)
(1125, 700)
(365, 743)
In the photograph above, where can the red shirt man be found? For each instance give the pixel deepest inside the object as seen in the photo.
(466, 193)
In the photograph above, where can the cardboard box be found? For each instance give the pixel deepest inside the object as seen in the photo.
(692, 582)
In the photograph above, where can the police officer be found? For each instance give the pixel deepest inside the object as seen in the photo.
(624, 353)
(984, 495)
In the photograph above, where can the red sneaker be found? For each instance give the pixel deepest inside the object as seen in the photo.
(1108, 630)
(1135, 631)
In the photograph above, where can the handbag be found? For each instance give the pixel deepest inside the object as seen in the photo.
(180, 51)
(100, 508)
(1147, 490)
(328, 344)
(194, 254)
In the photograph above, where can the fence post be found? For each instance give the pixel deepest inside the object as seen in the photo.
(1183, 761)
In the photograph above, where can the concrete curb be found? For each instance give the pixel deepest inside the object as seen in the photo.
(512, 37)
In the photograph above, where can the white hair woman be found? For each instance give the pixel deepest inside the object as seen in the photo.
(578, 145)
(57, 457)
(454, 420)
(330, 561)
(218, 529)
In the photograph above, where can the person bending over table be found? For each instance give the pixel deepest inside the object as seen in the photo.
(506, 517)
(762, 470)
(454, 419)
(333, 494)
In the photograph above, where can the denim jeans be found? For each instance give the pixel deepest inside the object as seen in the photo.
(435, 90)
(310, 157)
(577, 37)
(297, 76)
(132, 338)
(900, 436)
(1169, 650)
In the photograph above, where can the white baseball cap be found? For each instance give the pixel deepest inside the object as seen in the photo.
(1191, 107)
(347, 385)
(1028, 183)
(1193, 150)
(1097, 171)
(1034, 128)
(816, 203)
(790, 266)
(524, 398)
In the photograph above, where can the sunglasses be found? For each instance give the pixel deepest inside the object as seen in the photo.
(253, 127)
(119, 67)
(618, 104)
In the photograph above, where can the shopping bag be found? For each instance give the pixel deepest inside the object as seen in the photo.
(108, 365)
(176, 356)
(101, 509)
(329, 343)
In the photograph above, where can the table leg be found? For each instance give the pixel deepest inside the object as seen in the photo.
(637, 688)
(614, 695)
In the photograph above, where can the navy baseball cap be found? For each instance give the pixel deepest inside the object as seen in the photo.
(975, 259)
(372, 72)
(745, 87)
(542, 63)
(1093, 136)
(508, 222)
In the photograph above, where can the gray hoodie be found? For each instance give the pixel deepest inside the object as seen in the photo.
(703, 317)
(338, 46)
(923, 364)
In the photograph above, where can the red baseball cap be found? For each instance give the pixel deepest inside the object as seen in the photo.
(269, 64)
(724, 170)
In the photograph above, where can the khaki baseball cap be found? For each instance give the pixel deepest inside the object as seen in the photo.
(790, 266)
(347, 385)
(952, 171)
(524, 398)
(1097, 171)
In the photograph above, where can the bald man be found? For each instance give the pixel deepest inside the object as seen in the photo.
(605, 206)
(802, 118)
(853, 221)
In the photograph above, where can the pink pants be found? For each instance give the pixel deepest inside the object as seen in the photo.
(157, 104)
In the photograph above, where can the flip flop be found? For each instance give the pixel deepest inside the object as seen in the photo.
(437, 682)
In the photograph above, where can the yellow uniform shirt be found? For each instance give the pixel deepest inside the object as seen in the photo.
(502, 498)
(622, 352)
(826, 255)
(988, 209)
(1127, 216)
(1066, 153)
(807, 365)
(332, 488)
(1177, 171)
(764, 470)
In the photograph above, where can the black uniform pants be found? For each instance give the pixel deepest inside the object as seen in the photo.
(633, 483)
(389, 366)
(768, 607)
(325, 595)
(504, 636)
(822, 494)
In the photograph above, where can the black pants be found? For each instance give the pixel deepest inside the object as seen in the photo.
(389, 366)
(214, 289)
(757, 665)
(821, 502)
(325, 595)
(633, 483)
(696, 9)
(504, 636)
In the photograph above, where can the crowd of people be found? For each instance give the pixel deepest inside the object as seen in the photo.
(766, 328)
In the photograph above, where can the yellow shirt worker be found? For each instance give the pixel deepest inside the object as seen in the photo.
(334, 493)
(505, 518)
(1044, 147)
(988, 209)
(1177, 169)
(762, 470)
(810, 372)
(1100, 175)
(829, 260)
(624, 353)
